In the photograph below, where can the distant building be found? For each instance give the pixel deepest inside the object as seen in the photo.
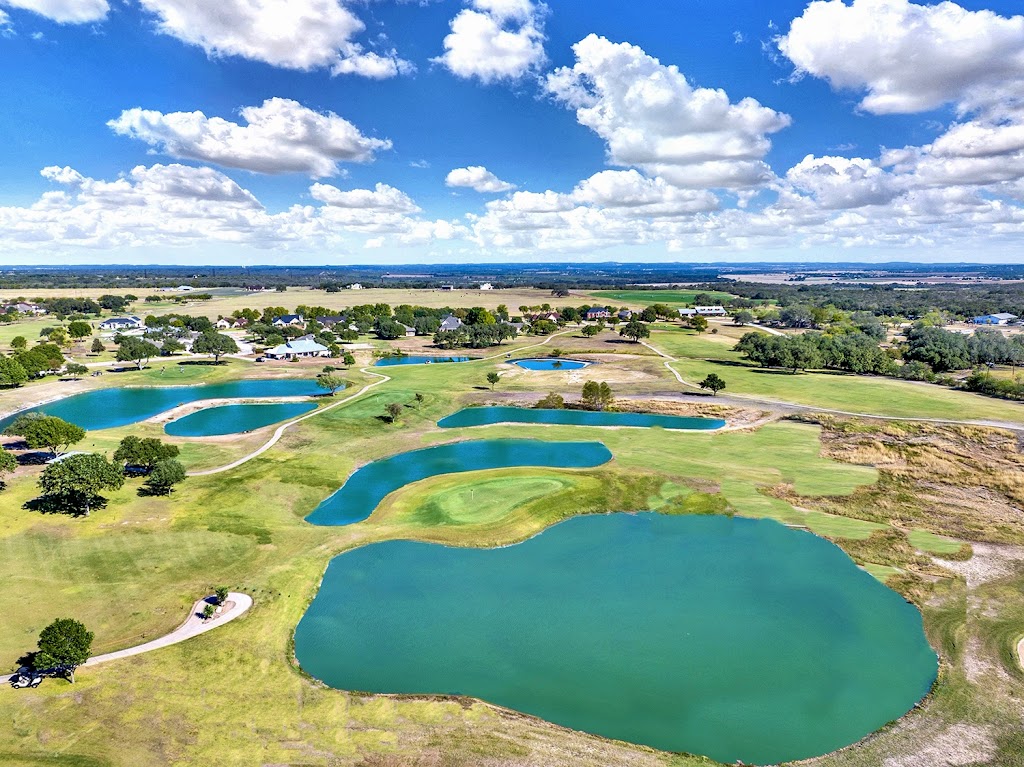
(409, 332)
(296, 348)
(451, 322)
(295, 320)
(487, 286)
(1002, 318)
(122, 323)
(355, 286)
(26, 308)
(597, 313)
(711, 311)
(552, 316)
(687, 312)
(447, 287)
(223, 324)
(331, 320)
(625, 315)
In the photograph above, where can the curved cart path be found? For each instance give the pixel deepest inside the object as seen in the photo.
(194, 625)
(794, 407)
(279, 432)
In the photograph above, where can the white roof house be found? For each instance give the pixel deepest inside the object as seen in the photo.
(711, 311)
(355, 286)
(487, 286)
(122, 323)
(298, 347)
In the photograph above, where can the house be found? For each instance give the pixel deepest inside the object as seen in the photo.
(355, 286)
(687, 312)
(331, 320)
(122, 323)
(625, 315)
(409, 332)
(447, 287)
(521, 327)
(223, 324)
(551, 316)
(253, 288)
(296, 320)
(26, 308)
(487, 286)
(298, 347)
(451, 322)
(1003, 318)
(597, 313)
(711, 311)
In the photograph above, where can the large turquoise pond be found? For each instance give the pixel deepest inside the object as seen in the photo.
(235, 419)
(414, 359)
(551, 364)
(120, 406)
(485, 416)
(735, 638)
(368, 486)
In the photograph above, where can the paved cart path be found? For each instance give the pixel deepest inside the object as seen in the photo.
(236, 604)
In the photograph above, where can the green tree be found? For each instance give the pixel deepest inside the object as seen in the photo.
(552, 401)
(743, 317)
(8, 463)
(57, 336)
(713, 382)
(591, 330)
(330, 383)
(19, 343)
(698, 323)
(147, 452)
(221, 594)
(46, 431)
(208, 612)
(217, 344)
(597, 396)
(171, 346)
(12, 374)
(635, 330)
(165, 475)
(97, 346)
(348, 359)
(393, 411)
(136, 350)
(492, 379)
(75, 370)
(74, 483)
(79, 329)
(65, 645)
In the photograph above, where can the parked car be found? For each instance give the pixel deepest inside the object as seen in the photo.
(261, 359)
(26, 677)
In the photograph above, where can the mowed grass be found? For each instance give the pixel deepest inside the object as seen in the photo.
(697, 356)
(644, 298)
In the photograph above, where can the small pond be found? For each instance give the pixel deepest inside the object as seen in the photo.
(415, 359)
(368, 486)
(120, 406)
(485, 416)
(552, 363)
(736, 638)
(235, 419)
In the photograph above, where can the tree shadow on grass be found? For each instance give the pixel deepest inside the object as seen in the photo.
(72, 505)
(145, 491)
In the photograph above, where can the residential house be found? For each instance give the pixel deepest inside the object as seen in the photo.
(294, 320)
(597, 313)
(625, 315)
(487, 286)
(409, 332)
(711, 311)
(451, 322)
(447, 287)
(298, 348)
(355, 286)
(223, 324)
(552, 316)
(331, 320)
(118, 324)
(26, 308)
(1002, 318)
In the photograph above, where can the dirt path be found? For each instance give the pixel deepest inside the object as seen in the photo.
(794, 407)
(236, 604)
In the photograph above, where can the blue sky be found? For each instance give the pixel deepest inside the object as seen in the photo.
(504, 130)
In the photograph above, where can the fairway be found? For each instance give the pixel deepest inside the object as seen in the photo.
(643, 298)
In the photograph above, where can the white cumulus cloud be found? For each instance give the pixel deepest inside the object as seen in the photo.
(908, 57)
(61, 11)
(652, 118)
(495, 40)
(478, 178)
(280, 136)
(292, 34)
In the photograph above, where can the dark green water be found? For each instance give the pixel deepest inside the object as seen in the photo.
(368, 486)
(485, 416)
(735, 638)
(120, 406)
(235, 419)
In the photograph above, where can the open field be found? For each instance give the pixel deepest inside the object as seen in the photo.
(132, 568)
(643, 298)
